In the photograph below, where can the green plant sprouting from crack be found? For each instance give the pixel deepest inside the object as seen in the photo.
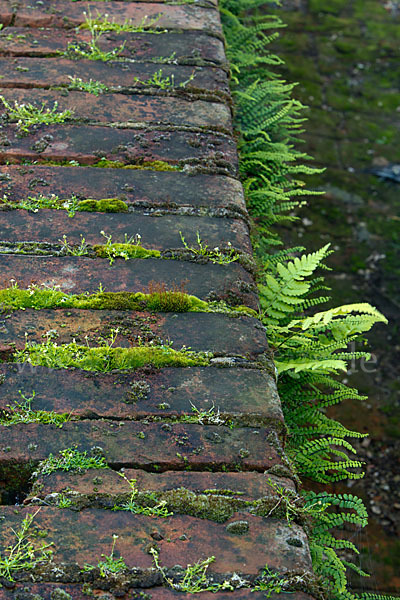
(25, 554)
(105, 358)
(72, 205)
(22, 412)
(92, 86)
(164, 83)
(194, 579)
(215, 255)
(158, 509)
(160, 298)
(29, 115)
(71, 459)
(111, 565)
(101, 24)
(130, 248)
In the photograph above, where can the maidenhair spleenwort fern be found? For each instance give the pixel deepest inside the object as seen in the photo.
(311, 350)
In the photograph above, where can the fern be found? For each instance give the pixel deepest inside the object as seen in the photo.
(311, 350)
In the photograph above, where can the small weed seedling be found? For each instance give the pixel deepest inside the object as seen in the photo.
(71, 459)
(28, 115)
(194, 579)
(158, 510)
(81, 250)
(22, 412)
(130, 248)
(203, 417)
(110, 565)
(92, 86)
(101, 24)
(164, 83)
(271, 583)
(25, 554)
(35, 203)
(91, 50)
(214, 255)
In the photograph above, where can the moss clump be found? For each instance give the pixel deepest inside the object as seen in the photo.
(153, 165)
(105, 358)
(126, 251)
(107, 205)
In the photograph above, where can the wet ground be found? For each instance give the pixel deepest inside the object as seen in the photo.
(345, 55)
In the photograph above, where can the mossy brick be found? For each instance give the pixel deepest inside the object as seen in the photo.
(187, 48)
(6, 12)
(157, 233)
(31, 72)
(138, 444)
(213, 332)
(248, 396)
(127, 110)
(146, 189)
(247, 486)
(51, 591)
(61, 13)
(84, 144)
(81, 537)
(77, 274)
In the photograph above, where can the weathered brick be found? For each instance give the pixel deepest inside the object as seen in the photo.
(6, 12)
(76, 274)
(246, 486)
(247, 395)
(61, 13)
(138, 444)
(190, 48)
(147, 189)
(82, 538)
(128, 111)
(49, 591)
(213, 332)
(158, 233)
(45, 72)
(85, 144)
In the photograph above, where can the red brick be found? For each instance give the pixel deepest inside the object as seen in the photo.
(46, 592)
(61, 13)
(246, 395)
(82, 537)
(76, 274)
(45, 72)
(158, 233)
(199, 447)
(191, 48)
(246, 486)
(85, 144)
(213, 332)
(128, 111)
(6, 12)
(146, 189)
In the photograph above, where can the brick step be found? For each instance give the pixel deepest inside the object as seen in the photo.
(144, 445)
(243, 545)
(57, 591)
(202, 152)
(212, 332)
(188, 48)
(157, 233)
(77, 274)
(63, 13)
(128, 111)
(146, 189)
(247, 396)
(212, 496)
(240, 487)
(27, 72)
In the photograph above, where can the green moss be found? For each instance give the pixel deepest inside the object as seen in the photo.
(333, 6)
(154, 165)
(125, 251)
(107, 205)
(160, 299)
(105, 358)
